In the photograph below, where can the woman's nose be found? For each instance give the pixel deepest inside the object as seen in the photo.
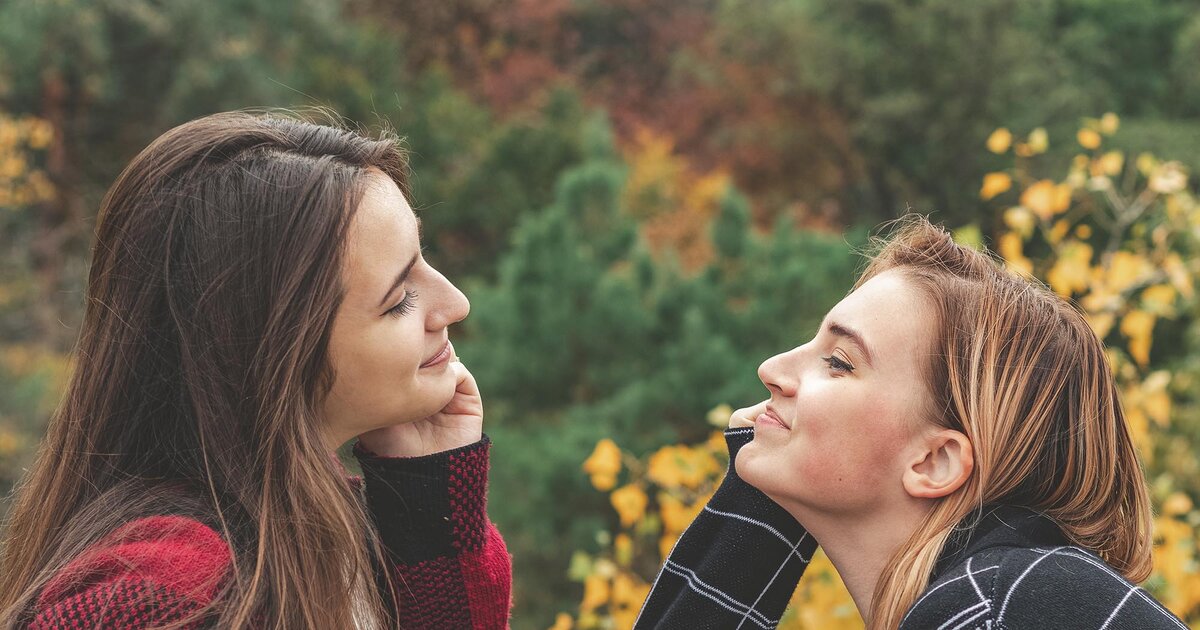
(778, 374)
(451, 305)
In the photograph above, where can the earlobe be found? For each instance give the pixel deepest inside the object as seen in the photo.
(943, 464)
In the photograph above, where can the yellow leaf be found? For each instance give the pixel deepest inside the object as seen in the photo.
(1022, 149)
(1178, 273)
(39, 134)
(1159, 299)
(623, 549)
(1126, 269)
(605, 568)
(716, 442)
(664, 469)
(1101, 323)
(1010, 247)
(999, 141)
(628, 590)
(969, 235)
(1046, 199)
(630, 503)
(1146, 163)
(1137, 327)
(666, 542)
(595, 593)
(1109, 123)
(605, 460)
(719, 415)
(12, 167)
(1139, 429)
(1058, 231)
(1039, 141)
(603, 482)
(1177, 504)
(1088, 139)
(562, 622)
(1158, 407)
(1100, 298)
(674, 515)
(1110, 163)
(677, 466)
(1072, 270)
(1020, 219)
(624, 617)
(994, 184)
(1083, 231)
(10, 443)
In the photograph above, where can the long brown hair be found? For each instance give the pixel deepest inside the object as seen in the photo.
(1019, 371)
(200, 368)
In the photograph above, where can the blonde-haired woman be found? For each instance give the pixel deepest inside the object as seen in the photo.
(952, 437)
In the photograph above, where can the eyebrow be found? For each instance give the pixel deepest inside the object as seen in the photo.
(403, 275)
(854, 338)
(400, 278)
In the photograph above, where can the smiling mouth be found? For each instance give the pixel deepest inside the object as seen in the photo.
(771, 418)
(442, 356)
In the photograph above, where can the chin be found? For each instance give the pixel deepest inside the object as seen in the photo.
(743, 465)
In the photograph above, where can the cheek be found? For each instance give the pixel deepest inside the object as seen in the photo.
(853, 444)
(391, 349)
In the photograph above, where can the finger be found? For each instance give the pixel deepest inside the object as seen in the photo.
(745, 416)
(453, 353)
(464, 381)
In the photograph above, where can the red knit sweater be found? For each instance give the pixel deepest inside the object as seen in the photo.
(449, 562)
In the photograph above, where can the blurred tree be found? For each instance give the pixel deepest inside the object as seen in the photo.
(590, 331)
(1117, 236)
(31, 376)
(511, 170)
(109, 76)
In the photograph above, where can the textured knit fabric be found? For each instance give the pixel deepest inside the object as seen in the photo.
(1015, 569)
(449, 564)
(452, 569)
(1011, 568)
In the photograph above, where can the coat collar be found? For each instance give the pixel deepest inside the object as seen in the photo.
(998, 526)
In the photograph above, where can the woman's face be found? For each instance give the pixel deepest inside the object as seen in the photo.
(845, 407)
(389, 347)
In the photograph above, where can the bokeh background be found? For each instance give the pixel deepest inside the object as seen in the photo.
(646, 198)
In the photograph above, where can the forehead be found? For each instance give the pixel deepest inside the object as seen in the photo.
(383, 207)
(382, 236)
(892, 316)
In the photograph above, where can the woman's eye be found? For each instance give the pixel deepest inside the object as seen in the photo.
(405, 306)
(838, 364)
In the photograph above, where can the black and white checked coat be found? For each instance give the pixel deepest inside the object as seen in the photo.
(738, 563)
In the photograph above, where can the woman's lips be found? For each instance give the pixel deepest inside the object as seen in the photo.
(771, 419)
(442, 356)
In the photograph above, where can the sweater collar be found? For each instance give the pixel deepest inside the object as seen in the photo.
(998, 526)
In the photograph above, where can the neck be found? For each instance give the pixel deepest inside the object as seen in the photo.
(860, 544)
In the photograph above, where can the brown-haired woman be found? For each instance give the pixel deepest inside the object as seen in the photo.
(953, 438)
(258, 297)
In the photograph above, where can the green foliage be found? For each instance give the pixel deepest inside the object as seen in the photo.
(921, 84)
(585, 334)
(592, 318)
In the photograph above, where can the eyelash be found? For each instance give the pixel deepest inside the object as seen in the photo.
(838, 364)
(405, 306)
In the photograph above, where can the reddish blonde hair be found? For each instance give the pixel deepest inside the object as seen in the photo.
(1019, 371)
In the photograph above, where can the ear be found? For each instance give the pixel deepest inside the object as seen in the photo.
(941, 464)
